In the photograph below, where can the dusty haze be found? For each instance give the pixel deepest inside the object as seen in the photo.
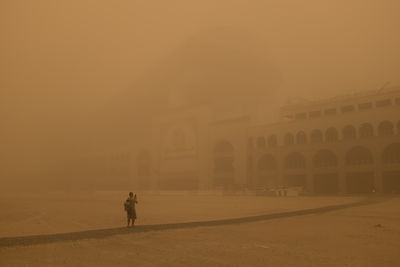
(86, 77)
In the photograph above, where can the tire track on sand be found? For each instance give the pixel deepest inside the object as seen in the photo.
(103, 233)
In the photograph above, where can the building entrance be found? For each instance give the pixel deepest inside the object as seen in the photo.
(326, 183)
(360, 182)
(391, 182)
(292, 180)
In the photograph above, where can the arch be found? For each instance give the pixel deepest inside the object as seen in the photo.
(358, 156)
(223, 146)
(301, 138)
(288, 139)
(361, 180)
(349, 132)
(385, 128)
(324, 158)
(326, 183)
(261, 142)
(272, 140)
(366, 130)
(316, 137)
(267, 162)
(295, 160)
(391, 154)
(398, 127)
(391, 177)
(331, 135)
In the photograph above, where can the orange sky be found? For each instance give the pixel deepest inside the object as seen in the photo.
(61, 61)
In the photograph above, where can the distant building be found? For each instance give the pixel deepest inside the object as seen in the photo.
(347, 144)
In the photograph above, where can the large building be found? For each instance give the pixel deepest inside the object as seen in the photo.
(347, 144)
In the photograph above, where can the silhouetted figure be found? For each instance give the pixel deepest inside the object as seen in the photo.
(130, 209)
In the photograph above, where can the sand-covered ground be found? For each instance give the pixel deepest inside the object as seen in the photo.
(49, 213)
(358, 236)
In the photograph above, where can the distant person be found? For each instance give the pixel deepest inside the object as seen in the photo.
(130, 209)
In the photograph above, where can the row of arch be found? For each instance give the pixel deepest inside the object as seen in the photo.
(349, 132)
(357, 155)
(359, 180)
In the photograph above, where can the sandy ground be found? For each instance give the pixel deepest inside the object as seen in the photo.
(348, 237)
(61, 212)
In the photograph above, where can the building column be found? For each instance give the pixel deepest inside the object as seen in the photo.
(341, 171)
(309, 181)
(378, 177)
(279, 180)
(378, 181)
(378, 172)
(342, 180)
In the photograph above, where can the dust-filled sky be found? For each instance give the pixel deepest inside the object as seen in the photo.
(67, 65)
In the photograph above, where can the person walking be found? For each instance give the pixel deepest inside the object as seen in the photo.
(130, 209)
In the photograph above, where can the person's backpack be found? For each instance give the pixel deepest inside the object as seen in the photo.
(126, 205)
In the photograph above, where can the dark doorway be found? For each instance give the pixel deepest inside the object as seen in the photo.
(360, 182)
(223, 171)
(223, 164)
(267, 180)
(391, 182)
(326, 183)
(295, 180)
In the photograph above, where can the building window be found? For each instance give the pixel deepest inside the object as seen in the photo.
(315, 114)
(391, 154)
(385, 128)
(324, 158)
(365, 106)
(301, 138)
(295, 161)
(358, 156)
(349, 108)
(366, 130)
(300, 116)
(383, 103)
(330, 112)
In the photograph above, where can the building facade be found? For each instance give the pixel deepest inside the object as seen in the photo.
(348, 144)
